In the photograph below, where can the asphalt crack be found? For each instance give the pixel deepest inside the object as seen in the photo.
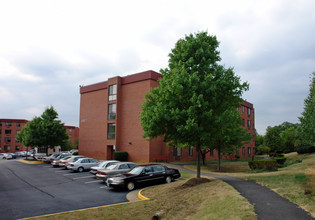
(35, 187)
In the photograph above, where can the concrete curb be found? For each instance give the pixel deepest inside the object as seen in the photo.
(31, 162)
(142, 197)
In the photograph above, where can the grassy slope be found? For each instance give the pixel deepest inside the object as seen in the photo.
(291, 182)
(204, 201)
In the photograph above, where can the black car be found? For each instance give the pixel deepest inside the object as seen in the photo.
(143, 175)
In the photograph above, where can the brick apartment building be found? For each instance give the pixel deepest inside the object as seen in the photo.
(9, 128)
(109, 121)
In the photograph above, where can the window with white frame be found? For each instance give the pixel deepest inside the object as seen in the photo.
(177, 151)
(112, 92)
(112, 111)
(111, 130)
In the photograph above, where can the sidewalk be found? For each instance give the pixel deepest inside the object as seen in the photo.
(268, 204)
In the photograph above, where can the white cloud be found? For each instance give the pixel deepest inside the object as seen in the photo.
(49, 48)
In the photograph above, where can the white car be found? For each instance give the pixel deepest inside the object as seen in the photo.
(65, 161)
(5, 156)
(82, 164)
(103, 165)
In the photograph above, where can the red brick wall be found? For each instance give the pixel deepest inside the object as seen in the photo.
(14, 129)
(93, 124)
(131, 92)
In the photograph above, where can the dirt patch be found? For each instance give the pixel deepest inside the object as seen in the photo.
(193, 182)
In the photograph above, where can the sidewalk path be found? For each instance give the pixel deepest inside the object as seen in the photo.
(268, 204)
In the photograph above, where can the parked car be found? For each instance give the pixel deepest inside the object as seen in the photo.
(143, 175)
(82, 164)
(5, 156)
(102, 165)
(65, 161)
(56, 161)
(13, 155)
(51, 158)
(21, 153)
(112, 170)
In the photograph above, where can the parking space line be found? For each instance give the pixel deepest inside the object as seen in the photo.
(102, 187)
(61, 171)
(94, 181)
(69, 174)
(82, 177)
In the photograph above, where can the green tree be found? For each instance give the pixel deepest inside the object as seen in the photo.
(272, 139)
(308, 116)
(194, 95)
(288, 137)
(45, 131)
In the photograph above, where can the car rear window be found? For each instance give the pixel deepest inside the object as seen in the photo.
(158, 169)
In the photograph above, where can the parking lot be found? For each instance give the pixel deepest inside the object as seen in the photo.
(28, 190)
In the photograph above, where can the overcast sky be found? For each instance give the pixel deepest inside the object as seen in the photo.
(49, 48)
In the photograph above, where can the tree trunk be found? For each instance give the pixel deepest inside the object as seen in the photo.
(198, 161)
(203, 155)
(219, 157)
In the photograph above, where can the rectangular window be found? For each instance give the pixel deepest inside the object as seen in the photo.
(243, 150)
(191, 150)
(7, 140)
(8, 124)
(177, 151)
(6, 147)
(111, 130)
(248, 124)
(17, 141)
(0, 131)
(248, 111)
(0, 123)
(243, 108)
(249, 151)
(211, 153)
(17, 131)
(112, 111)
(41, 150)
(70, 129)
(17, 148)
(7, 131)
(112, 93)
(18, 124)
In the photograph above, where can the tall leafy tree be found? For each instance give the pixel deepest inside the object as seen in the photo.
(308, 116)
(197, 98)
(45, 131)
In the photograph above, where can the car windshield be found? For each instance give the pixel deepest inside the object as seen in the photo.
(76, 158)
(112, 167)
(102, 164)
(136, 170)
(66, 158)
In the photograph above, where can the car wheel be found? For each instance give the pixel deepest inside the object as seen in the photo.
(80, 169)
(168, 179)
(130, 186)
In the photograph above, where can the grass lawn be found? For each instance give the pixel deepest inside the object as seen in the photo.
(203, 201)
(295, 182)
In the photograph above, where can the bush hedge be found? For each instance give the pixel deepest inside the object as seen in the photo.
(121, 155)
(263, 164)
(281, 160)
(305, 149)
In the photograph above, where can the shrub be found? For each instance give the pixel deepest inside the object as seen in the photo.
(280, 160)
(263, 164)
(261, 149)
(304, 149)
(121, 155)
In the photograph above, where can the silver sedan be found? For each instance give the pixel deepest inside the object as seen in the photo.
(82, 164)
